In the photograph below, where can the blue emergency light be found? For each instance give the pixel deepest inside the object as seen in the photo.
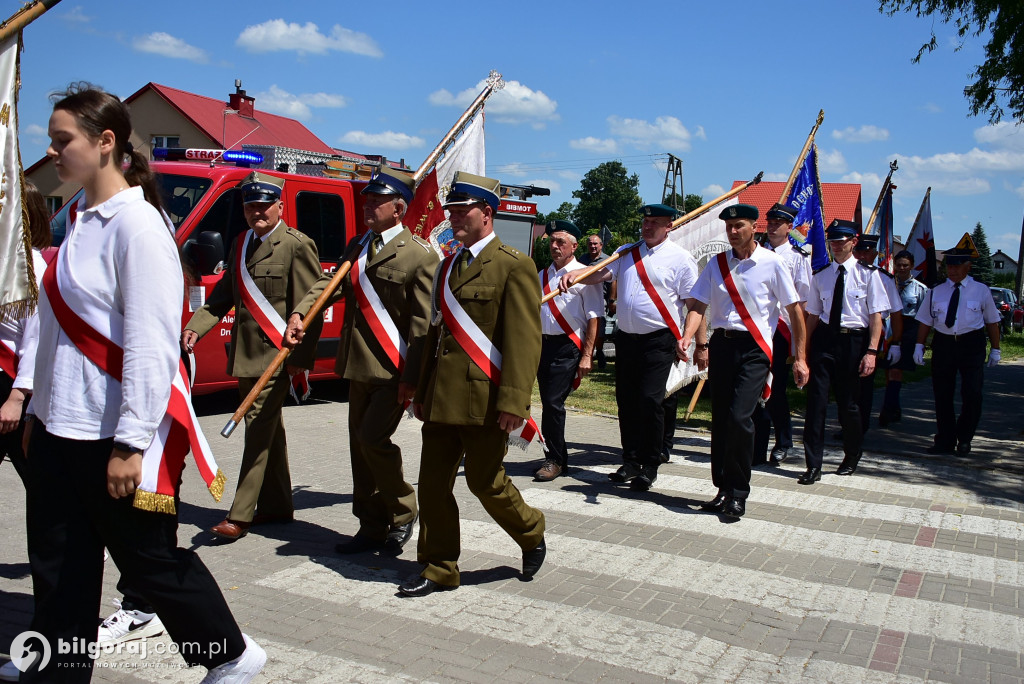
(238, 157)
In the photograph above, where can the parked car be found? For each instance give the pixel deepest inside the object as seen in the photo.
(1006, 302)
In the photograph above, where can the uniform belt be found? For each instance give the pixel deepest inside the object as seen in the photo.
(642, 336)
(852, 331)
(560, 336)
(726, 332)
(963, 336)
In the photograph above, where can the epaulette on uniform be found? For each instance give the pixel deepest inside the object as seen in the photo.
(821, 268)
(885, 273)
(511, 251)
(799, 250)
(421, 242)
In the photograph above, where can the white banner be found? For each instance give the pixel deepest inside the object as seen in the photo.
(18, 292)
(465, 154)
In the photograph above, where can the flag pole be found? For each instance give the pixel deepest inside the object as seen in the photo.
(25, 16)
(801, 156)
(594, 268)
(917, 218)
(893, 166)
(494, 82)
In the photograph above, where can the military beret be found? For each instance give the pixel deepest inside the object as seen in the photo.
(260, 187)
(387, 181)
(739, 211)
(867, 241)
(468, 188)
(660, 210)
(563, 226)
(782, 212)
(840, 230)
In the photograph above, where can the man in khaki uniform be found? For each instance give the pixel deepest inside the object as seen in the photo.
(468, 409)
(394, 301)
(281, 264)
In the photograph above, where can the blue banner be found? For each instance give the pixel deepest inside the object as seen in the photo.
(883, 228)
(809, 226)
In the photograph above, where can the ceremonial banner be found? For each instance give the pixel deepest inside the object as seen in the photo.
(425, 217)
(883, 229)
(18, 290)
(809, 226)
(921, 244)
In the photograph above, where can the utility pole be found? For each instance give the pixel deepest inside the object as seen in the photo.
(675, 173)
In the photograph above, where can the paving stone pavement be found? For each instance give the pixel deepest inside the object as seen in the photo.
(911, 570)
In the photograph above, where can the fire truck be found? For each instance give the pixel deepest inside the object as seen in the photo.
(205, 207)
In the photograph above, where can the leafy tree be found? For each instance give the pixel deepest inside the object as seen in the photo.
(608, 195)
(1000, 78)
(982, 268)
(693, 201)
(541, 253)
(563, 212)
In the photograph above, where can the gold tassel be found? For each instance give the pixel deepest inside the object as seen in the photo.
(156, 503)
(217, 486)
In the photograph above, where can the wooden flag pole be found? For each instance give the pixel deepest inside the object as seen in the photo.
(594, 268)
(881, 195)
(25, 16)
(494, 82)
(801, 157)
(693, 400)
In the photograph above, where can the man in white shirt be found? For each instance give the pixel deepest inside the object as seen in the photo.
(654, 277)
(569, 328)
(962, 311)
(746, 287)
(844, 324)
(775, 412)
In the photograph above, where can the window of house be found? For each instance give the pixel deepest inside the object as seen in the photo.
(166, 141)
(999, 263)
(53, 204)
(321, 216)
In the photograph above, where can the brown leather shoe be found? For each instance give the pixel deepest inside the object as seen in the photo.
(547, 472)
(230, 529)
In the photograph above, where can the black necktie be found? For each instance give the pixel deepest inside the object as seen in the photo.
(954, 302)
(254, 244)
(835, 315)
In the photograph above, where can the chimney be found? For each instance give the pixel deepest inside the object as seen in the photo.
(240, 102)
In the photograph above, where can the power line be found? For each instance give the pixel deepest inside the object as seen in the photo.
(576, 164)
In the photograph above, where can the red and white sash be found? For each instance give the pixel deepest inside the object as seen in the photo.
(377, 317)
(480, 349)
(743, 302)
(557, 308)
(8, 359)
(178, 432)
(657, 293)
(264, 313)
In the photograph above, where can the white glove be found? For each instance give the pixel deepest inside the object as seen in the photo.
(993, 358)
(895, 354)
(919, 354)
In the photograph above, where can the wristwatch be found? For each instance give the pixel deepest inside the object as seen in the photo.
(702, 346)
(121, 446)
(872, 351)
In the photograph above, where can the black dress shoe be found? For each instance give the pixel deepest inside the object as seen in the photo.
(398, 535)
(626, 472)
(779, 454)
(358, 544)
(716, 505)
(533, 559)
(838, 436)
(963, 449)
(810, 477)
(846, 469)
(941, 449)
(421, 586)
(645, 480)
(734, 508)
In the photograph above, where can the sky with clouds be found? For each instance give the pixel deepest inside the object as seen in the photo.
(731, 91)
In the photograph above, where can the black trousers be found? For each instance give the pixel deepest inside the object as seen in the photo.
(671, 408)
(775, 412)
(10, 444)
(559, 361)
(642, 364)
(834, 363)
(737, 372)
(71, 518)
(952, 355)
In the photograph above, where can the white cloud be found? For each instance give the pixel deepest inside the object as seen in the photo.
(592, 144)
(280, 101)
(513, 169)
(277, 35)
(932, 108)
(569, 175)
(514, 104)
(553, 186)
(1020, 191)
(1002, 135)
(387, 139)
(868, 180)
(76, 16)
(975, 160)
(960, 186)
(776, 177)
(712, 191)
(37, 131)
(166, 45)
(866, 133)
(666, 132)
(831, 161)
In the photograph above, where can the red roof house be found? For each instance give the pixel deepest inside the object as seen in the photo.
(842, 200)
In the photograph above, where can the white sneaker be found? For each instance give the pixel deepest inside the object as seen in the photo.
(8, 672)
(128, 625)
(240, 670)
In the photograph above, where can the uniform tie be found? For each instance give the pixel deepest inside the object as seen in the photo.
(462, 262)
(835, 315)
(254, 244)
(376, 245)
(954, 302)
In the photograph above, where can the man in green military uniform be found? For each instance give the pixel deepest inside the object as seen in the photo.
(270, 269)
(478, 372)
(387, 311)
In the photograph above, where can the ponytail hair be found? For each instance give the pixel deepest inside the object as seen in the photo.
(96, 111)
(38, 216)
